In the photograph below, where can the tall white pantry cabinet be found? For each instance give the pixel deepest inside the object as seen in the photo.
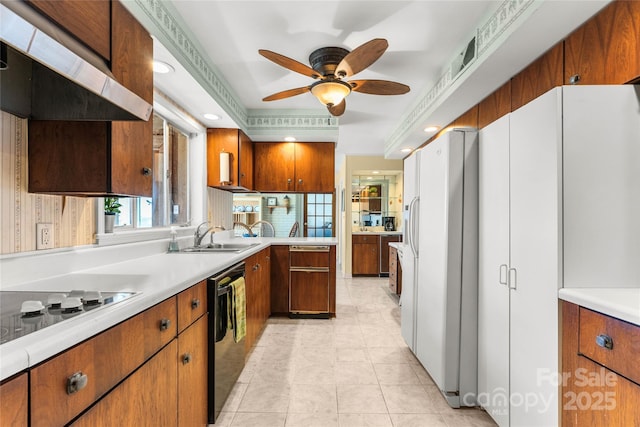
(519, 264)
(559, 207)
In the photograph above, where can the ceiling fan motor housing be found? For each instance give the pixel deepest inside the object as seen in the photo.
(326, 59)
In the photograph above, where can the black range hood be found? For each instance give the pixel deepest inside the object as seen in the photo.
(51, 76)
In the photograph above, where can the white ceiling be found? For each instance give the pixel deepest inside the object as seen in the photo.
(424, 37)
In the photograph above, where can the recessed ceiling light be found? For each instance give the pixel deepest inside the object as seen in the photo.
(431, 128)
(406, 150)
(211, 116)
(289, 138)
(375, 172)
(162, 67)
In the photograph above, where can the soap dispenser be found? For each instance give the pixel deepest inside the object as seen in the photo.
(173, 244)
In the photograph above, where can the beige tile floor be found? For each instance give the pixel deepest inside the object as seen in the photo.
(351, 371)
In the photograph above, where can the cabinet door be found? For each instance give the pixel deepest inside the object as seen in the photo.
(132, 142)
(88, 21)
(536, 182)
(365, 259)
(192, 375)
(279, 279)
(493, 252)
(315, 167)
(251, 278)
(240, 148)
(309, 292)
(606, 49)
(393, 269)
(14, 403)
(275, 169)
(245, 161)
(146, 398)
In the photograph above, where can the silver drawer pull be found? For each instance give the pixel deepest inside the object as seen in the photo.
(195, 303)
(76, 382)
(605, 341)
(164, 324)
(186, 358)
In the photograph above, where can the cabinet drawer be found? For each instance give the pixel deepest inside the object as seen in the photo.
(610, 342)
(301, 257)
(160, 326)
(192, 304)
(356, 239)
(102, 361)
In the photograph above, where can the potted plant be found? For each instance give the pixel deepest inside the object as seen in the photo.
(111, 208)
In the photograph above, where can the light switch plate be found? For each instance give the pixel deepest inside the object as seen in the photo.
(44, 235)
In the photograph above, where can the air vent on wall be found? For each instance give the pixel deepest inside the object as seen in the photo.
(466, 57)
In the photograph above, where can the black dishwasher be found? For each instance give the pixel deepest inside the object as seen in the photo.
(228, 355)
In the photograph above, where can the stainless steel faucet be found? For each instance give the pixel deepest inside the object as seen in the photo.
(197, 237)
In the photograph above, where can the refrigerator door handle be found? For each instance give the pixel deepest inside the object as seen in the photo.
(503, 274)
(413, 221)
(513, 279)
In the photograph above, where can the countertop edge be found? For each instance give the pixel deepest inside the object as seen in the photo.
(621, 303)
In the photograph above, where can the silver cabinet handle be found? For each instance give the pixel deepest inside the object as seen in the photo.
(186, 358)
(76, 382)
(503, 273)
(146, 171)
(605, 341)
(195, 303)
(300, 181)
(513, 279)
(164, 324)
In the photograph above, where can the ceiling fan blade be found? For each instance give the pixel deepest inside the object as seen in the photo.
(361, 57)
(287, 93)
(290, 64)
(337, 110)
(378, 87)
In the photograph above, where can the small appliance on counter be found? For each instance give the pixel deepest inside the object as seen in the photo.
(389, 223)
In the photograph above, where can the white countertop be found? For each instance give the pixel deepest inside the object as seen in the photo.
(155, 277)
(621, 303)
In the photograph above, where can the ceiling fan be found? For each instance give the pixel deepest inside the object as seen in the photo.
(330, 65)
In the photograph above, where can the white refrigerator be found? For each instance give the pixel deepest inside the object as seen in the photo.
(439, 306)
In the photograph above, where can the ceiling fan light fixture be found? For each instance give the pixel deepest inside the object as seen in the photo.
(330, 92)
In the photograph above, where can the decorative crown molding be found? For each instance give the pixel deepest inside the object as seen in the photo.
(164, 23)
(488, 37)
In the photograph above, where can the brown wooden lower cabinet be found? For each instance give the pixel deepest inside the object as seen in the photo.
(395, 272)
(14, 401)
(146, 398)
(593, 393)
(279, 280)
(192, 375)
(365, 255)
(258, 291)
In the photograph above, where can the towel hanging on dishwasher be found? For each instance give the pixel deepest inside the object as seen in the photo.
(238, 309)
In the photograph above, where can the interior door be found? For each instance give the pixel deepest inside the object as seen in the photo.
(534, 276)
(493, 253)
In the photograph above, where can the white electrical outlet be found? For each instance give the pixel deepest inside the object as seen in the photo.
(44, 235)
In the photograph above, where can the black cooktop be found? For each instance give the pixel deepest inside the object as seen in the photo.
(23, 312)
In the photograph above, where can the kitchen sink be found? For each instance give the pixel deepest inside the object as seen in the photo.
(220, 247)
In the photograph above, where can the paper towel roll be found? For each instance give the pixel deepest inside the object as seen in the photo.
(224, 167)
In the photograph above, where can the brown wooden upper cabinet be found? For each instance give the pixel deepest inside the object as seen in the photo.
(240, 149)
(304, 167)
(99, 158)
(606, 49)
(87, 21)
